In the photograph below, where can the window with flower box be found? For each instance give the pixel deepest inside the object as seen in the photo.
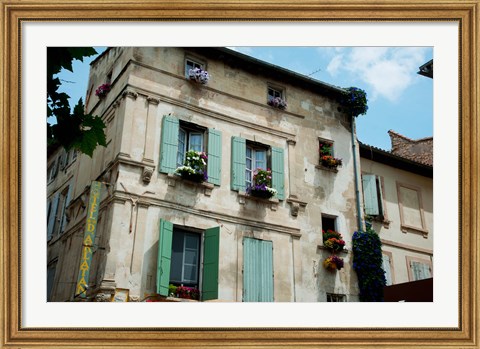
(192, 64)
(179, 137)
(188, 262)
(276, 97)
(327, 159)
(250, 157)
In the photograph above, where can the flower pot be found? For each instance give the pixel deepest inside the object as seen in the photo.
(194, 177)
(264, 194)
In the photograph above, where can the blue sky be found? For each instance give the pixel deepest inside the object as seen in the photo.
(399, 99)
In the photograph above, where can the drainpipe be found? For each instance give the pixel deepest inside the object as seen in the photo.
(355, 169)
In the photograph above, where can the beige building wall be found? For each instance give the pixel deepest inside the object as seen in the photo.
(406, 231)
(149, 83)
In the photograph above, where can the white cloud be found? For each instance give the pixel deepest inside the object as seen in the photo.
(387, 71)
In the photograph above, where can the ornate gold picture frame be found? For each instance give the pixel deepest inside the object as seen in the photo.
(14, 13)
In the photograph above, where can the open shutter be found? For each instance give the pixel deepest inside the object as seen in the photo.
(53, 215)
(214, 156)
(387, 268)
(278, 177)
(164, 257)
(211, 250)
(239, 165)
(370, 195)
(169, 144)
(381, 210)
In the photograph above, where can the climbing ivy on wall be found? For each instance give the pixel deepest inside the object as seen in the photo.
(367, 263)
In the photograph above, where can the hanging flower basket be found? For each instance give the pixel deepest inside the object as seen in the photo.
(199, 75)
(277, 102)
(354, 101)
(103, 90)
(333, 263)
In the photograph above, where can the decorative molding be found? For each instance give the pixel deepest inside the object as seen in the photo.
(406, 247)
(291, 142)
(153, 100)
(130, 93)
(295, 205)
(207, 188)
(106, 291)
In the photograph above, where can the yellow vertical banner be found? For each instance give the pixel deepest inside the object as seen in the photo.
(88, 240)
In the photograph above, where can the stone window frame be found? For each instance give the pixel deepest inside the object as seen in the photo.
(196, 61)
(276, 88)
(405, 228)
(392, 267)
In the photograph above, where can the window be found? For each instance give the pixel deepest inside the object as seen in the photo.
(190, 137)
(52, 170)
(57, 217)
(188, 258)
(387, 267)
(373, 196)
(411, 208)
(255, 157)
(328, 223)
(419, 269)
(191, 64)
(333, 297)
(257, 270)
(179, 137)
(51, 270)
(248, 156)
(274, 92)
(185, 258)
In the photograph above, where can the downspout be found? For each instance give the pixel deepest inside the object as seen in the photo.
(355, 169)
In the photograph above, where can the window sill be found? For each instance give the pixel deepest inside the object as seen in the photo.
(207, 188)
(408, 229)
(321, 247)
(325, 168)
(176, 299)
(243, 197)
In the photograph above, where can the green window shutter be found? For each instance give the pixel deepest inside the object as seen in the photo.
(214, 169)
(257, 270)
(169, 144)
(278, 177)
(211, 250)
(387, 269)
(239, 150)
(53, 215)
(266, 262)
(370, 195)
(164, 257)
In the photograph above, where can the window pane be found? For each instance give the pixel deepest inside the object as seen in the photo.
(196, 142)
(177, 257)
(181, 147)
(261, 159)
(190, 274)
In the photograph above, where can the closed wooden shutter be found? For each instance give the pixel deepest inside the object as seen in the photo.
(211, 252)
(64, 212)
(164, 257)
(169, 144)
(214, 156)
(278, 177)
(387, 269)
(53, 216)
(257, 270)
(370, 195)
(238, 163)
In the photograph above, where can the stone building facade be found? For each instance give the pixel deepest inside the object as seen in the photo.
(155, 228)
(398, 196)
